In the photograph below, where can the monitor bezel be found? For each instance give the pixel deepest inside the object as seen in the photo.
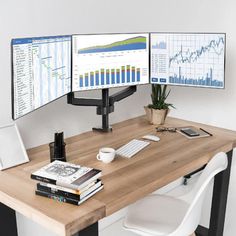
(110, 87)
(12, 75)
(190, 86)
(149, 34)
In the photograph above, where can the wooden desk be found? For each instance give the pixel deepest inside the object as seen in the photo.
(125, 181)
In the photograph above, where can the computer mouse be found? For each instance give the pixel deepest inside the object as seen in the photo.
(151, 137)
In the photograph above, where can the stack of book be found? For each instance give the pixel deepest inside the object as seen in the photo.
(67, 182)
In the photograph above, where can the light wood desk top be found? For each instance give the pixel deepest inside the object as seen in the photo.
(125, 180)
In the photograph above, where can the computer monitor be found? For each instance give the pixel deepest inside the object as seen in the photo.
(189, 59)
(41, 72)
(109, 60)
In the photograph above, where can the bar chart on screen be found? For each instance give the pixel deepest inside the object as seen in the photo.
(103, 61)
(188, 59)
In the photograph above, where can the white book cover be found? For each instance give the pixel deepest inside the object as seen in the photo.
(66, 174)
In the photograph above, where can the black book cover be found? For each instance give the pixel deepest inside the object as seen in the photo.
(42, 187)
(67, 199)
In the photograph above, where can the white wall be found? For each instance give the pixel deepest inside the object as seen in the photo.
(28, 18)
(52, 17)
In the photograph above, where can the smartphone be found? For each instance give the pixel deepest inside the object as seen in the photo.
(189, 132)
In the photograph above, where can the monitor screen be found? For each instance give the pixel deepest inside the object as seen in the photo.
(189, 59)
(41, 71)
(109, 60)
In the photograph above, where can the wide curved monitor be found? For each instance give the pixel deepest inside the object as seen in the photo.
(188, 59)
(41, 72)
(109, 60)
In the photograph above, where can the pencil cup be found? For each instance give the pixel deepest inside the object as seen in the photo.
(56, 153)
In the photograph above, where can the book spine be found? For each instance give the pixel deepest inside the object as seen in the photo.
(58, 192)
(86, 182)
(56, 197)
(58, 187)
(65, 199)
(43, 179)
(90, 190)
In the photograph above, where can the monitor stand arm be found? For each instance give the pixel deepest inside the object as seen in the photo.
(105, 106)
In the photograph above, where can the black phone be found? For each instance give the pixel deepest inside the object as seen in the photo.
(189, 132)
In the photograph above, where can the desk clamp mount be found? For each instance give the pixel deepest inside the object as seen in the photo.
(105, 106)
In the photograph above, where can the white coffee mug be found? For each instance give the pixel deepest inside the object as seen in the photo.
(106, 154)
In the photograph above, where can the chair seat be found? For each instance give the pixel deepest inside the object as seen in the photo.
(162, 215)
(155, 215)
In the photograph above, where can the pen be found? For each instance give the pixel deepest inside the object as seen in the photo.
(61, 144)
(206, 132)
(55, 141)
(56, 144)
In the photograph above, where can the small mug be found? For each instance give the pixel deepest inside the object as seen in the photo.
(106, 154)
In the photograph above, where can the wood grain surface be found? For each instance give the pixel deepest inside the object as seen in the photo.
(125, 180)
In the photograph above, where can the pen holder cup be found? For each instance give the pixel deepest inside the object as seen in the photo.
(56, 153)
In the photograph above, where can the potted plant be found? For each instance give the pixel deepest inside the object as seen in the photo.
(158, 110)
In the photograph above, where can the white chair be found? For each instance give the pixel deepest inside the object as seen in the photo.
(162, 215)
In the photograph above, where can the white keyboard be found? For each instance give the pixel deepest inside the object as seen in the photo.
(132, 148)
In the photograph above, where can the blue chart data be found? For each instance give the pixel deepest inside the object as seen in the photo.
(188, 59)
(42, 71)
(103, 61)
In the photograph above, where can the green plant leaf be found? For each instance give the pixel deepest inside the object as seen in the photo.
(159, 96)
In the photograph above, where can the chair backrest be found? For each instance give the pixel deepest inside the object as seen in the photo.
(196, 196)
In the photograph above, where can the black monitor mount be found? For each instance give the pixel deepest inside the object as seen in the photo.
(105, 106)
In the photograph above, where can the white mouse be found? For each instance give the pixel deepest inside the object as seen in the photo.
(151, 137)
